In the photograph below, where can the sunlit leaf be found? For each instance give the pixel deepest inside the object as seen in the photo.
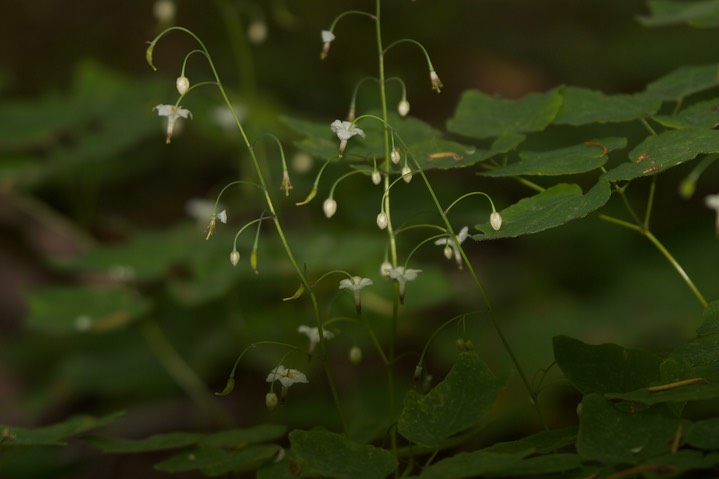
(55, 434)
(455, 404)
(333, 455)
(605, 368)
(703, 13)
(613, 436)
(564, 161)
(682, 82)
(553, 207)
(581, 106)
(479, 115)
(704, 114)
(666, 150)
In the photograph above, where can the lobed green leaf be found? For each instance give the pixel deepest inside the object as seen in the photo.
(217, 461)
(55, 434)
(704, 114)
(683, 82)
(581, 106)
(670, 12)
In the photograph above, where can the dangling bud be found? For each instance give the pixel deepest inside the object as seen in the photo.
(403, 108)
(253, 261)
(286, 186)
(271, 401)
(355, 355)
(385, 268)
(495, 219)
(234, 257)
(417, 372)
(382, 220)
(436, 82)
(257, 32)
(406, 174)
(448, 251)
(395, 156)
(327, 38)
(329, 207)
(182, 84)
(376, 177)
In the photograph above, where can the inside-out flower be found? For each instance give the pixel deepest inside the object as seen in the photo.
(436, 82)
(286, 377)
(327, 38)
(712, 201)
(222, 216)
(355, 284)
(448, 243)
(403, 275)
(314, 335)
(172, 113)
(344, 131)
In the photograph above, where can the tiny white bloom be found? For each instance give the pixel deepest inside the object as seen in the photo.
(403, 108)
(403, 275)
(449, 243)
(182, 84)
(314, 335)
(172, 113)
(382, 220)
(495, 219)
(436, 82)
(406, 174)
(286, 377)
(327, 38)
(222, 216)
(355, 284)
(329, 207)
(344, 131)
(385, 268)
(712, 201)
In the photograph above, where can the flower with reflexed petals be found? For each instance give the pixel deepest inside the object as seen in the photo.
(403, 275)
(449, 243)
(172, 113)
(314, 335)
(286, 377)
(436, 82)
(327, 38)
(344, 131)
(355, 284)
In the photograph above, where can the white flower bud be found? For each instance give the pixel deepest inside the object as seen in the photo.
(385, 268)
(329, 207)
(234, 257)
(271, 401)
(257, 32)
(164, 11)
(395, 156)
(495, 219)
(448, 251)
(355, 355)
(403, 108)
(382, 220)
(376, 177)
(182, 84)
(406, 174)
(417, 372)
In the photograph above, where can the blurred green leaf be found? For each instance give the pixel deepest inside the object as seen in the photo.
(158, 442)
(542, 442)
(682, 82)
(581, 106)
(56, 434)
(237, 437)
(66, 309)
(473, 464)
(665, 150)
(704, 114)
(580, 158)
(217, 461)
(703, 434)
(668, 12)
(698, 358)
(333, 455)
(458, 402)
(479, 115)
(553, 207)
(710, 325)
(605, 368)
(611, 436)
(680, 462)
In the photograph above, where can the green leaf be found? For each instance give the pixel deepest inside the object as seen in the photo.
(218, 461)
(238, 437)
(703, 434)
(473, 464)
(542, 442)
(158, 442)
(683, 461)
(704, 114)
(580, 158)
(692, 392)
(56, 434)
(458, 402)
(698, 358)
(553, 207)
(611, 436)
(710, 325)
(704, 13)
(682, 82)
(581, 106)
(332, 455)
(547, 464)
(66, 309)
(666, 150)
(604, 368)
(479, 115)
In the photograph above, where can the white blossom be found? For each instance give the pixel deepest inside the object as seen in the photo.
(344, 131)
(329, 207)
(403, 275)
(403, 108)
(286, 377)
(495, 219)
(327, 38)
(448, 243)
(355, 284)
(182, 84)
(314, 335)
(172, 113)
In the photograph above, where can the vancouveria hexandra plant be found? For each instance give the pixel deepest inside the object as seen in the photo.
(344, 131)
(356, 284)
(172, 112)
(313, 334)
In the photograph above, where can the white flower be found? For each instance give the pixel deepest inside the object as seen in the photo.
(712, 201)
(382, 220)
(403, 108)
(286, 377)
(385, 268)
(449, 243)
(182, 84)
(222, 216)
(355, 284)
(403, 275)
(329, 207)
(495, 219)
(436, 82)
(406, 174)
(344, 131)
(172, 113)
(327, 38)
(314, 335)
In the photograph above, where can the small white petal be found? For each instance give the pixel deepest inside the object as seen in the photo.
(327, 36)
(222, 216)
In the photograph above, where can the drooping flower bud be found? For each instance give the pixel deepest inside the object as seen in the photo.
(385, 268)
(406, 174)
(495, 219)
(234, 257)
(403, 108)
(395, 156)
(329, 207)
(436, 82)
(355, 355)
(376, 177)
(382, 220)
(271, 401)
(182, 84)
